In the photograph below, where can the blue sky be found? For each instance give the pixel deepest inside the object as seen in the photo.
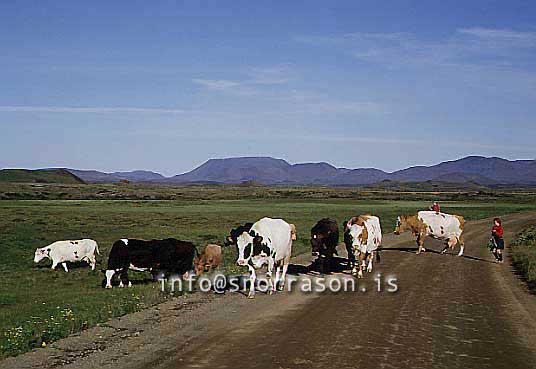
(166, 85)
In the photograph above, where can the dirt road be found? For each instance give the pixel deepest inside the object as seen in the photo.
(449, 312)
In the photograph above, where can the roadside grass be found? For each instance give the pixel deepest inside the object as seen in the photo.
(524, 256)
(39, 306)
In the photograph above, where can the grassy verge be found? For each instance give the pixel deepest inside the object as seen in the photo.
(39, 306)
(524, 256)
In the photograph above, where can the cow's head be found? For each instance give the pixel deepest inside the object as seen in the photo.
(247, 243)
(318, 246)
(40, 254)
(358, 233)
(202, 264)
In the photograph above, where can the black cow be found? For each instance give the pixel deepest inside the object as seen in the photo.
(349, 248)
(168, 256)
(235, 232)
(324, 240)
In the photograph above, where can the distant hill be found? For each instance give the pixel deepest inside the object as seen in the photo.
(473, 170)
(266, 170)
(38, 176)
(495, 170)
(93, 176)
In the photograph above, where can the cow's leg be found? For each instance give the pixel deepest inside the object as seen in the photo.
(109, 274)
(277, 275)
(462, 245)
(286, 262)
(370, 258)
(124, 278)
(351, 258)
(420, 243)
(64, 265)
(356, 264)
(54, 265)
(92, 261)
(362, 257)
(271, 287)
(252, 278)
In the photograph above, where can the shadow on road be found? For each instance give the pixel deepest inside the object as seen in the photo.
(335, 265)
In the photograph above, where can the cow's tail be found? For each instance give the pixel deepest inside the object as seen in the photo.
(97, 248)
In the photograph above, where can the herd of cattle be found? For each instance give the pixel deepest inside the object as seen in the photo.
(265, 242)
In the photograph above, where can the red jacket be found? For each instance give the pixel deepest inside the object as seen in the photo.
(435, 208)
(497, 231)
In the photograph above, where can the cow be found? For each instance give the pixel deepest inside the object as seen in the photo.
(364, 235)
(209, 260)
(69, 251)
(324, 241)
(436, 225)
(269, 241)
(235, 232)
(168, 255)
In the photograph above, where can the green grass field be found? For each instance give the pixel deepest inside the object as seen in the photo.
(38, 305)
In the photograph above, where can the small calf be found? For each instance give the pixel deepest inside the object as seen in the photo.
(209, 260)
(69, 251)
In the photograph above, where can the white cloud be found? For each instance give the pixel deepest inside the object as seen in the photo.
(254, 79)
(70, 109)
(467, 46)
(520, 39)
(278, 74)
(216, 84)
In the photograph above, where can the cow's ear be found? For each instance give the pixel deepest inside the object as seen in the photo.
(252, 233)
(257, 240)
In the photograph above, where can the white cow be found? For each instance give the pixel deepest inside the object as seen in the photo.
(268, 242)
(69, 251)
(366, 235)
(437, 225)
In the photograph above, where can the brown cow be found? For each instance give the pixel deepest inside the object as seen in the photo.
(209, 260)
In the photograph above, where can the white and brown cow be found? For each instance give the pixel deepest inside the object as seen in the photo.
(437, 225)
(269, 241)
(68, 251)
(364, 235)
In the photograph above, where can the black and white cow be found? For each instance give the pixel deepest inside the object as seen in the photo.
(324, 241)
(168, 256)
(269, 241)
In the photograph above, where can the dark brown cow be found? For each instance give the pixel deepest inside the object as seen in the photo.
(324, 241)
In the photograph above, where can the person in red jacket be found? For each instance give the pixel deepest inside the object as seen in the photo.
(497, 232)
(435, 207)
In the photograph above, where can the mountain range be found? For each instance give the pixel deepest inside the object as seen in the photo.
(270, 171)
